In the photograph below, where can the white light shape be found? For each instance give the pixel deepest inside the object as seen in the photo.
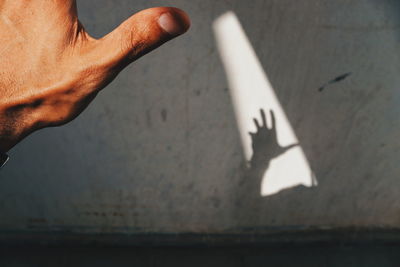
(251, 91)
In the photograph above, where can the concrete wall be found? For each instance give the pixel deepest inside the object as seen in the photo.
(159, 150)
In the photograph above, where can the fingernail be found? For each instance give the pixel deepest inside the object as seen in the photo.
(169, 24)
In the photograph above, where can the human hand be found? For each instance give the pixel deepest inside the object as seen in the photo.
(265, 141)
(51, 68)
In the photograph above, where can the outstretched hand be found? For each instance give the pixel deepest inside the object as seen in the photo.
(265, 141)
(51, 68)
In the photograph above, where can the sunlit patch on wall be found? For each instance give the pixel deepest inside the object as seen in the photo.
(251, 92)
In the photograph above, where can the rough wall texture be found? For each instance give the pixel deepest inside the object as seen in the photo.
(159, 149)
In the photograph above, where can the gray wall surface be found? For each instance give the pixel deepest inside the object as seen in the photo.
(159, 149)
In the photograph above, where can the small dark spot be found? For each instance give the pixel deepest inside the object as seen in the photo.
(335, 80)
(164, 115)
(225, 89)
(148, 118)
(190, 187)
(383, 145)
(37, 220)
(198, 92)
(216, 202)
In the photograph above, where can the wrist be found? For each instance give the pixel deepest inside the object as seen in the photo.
(13, 128)
(6, 144)
(9, 137)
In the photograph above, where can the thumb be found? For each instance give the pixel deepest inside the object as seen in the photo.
(140, 34)
(286, 148)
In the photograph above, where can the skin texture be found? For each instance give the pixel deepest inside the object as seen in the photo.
(51, 68)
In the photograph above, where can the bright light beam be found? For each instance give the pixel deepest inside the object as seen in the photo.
(251, 91)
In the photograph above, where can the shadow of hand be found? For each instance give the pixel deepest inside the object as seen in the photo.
(265, 142)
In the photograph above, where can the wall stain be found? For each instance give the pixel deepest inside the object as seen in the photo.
(104, 214)
(335, 80)
(148, 118)
(37, 221)
(164, 115)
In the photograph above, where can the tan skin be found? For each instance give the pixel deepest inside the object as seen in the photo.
(51, 68)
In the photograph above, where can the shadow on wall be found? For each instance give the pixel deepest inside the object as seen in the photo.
(328, 79)
(251, 90)
(272, 167)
